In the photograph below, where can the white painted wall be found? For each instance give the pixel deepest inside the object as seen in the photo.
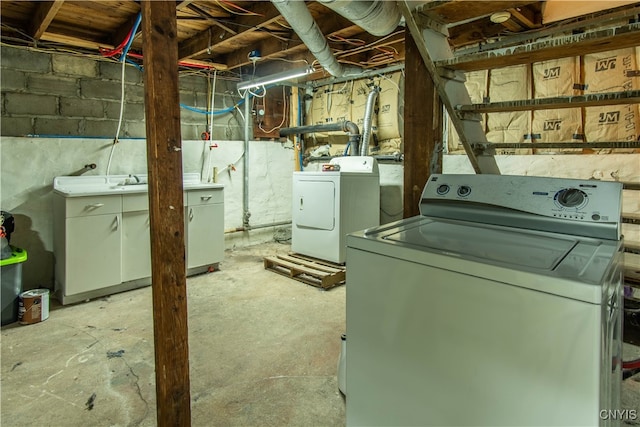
(28, 166)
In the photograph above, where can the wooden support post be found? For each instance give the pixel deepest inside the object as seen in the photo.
(422, 128)
(164, 163)
(293, 121)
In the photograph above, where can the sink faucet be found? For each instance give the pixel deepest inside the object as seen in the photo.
(129, 181)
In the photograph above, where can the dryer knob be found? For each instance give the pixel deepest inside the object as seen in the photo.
(464, 191)
(442, 189)
(571, 197)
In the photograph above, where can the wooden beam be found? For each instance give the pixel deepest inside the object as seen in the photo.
(422, 127)
(600, 40)
(76, 40)
(42, 17)
(164, 164)
(200, 43)
(529, 17)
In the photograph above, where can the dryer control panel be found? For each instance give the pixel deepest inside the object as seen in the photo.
(356, 164)
(582, 207)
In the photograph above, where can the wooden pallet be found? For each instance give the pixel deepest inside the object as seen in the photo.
(311, 271)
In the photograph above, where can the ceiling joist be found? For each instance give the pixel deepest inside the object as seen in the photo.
(43, 16)
(265, 14)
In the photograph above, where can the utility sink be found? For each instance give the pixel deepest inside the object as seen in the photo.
(78, 186)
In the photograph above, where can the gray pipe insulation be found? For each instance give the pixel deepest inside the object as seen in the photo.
(299, 18)
(368, 119)
(377, 17)
(345, 126)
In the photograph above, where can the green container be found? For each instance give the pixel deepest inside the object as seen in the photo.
(11, 280)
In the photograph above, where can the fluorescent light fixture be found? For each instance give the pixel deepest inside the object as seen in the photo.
(275, 78)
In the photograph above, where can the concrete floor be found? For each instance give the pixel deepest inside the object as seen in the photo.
(263, 352)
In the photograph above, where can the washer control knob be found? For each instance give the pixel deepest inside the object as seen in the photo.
(464, 191)
(442, 189)
(571, 197)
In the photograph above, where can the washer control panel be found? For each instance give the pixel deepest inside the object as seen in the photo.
(555, 198)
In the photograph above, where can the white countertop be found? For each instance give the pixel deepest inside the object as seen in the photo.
(97, 185)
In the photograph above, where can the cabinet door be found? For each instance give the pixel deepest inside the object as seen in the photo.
(205, 234)
(136, 246)
(92, 252)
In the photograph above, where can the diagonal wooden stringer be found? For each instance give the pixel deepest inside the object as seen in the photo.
(433, 46)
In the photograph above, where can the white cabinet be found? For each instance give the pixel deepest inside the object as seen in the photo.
(136, 241)
(90, 229)
(102, 242)
(204, 227)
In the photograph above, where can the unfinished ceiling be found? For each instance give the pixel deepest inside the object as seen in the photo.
(233, 35)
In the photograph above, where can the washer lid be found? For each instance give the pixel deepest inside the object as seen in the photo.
(502, 246)
(560, 264)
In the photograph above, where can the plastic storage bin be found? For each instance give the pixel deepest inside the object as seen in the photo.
(11, 279)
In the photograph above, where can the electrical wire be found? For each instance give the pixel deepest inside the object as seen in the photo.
(116, 140)
(221, 4)
(291, 60)
(284, 114)
(213, 97)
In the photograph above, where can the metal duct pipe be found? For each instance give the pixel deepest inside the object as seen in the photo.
(344, 126)
(368, 119)
(299, 18)
(377, 17)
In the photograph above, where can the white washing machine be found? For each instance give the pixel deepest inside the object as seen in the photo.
(329, 204)
(499, 305)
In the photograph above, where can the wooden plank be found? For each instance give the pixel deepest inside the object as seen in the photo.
(599, 99)
(76, 40)
(631, 217)
(594, 41)
(631, 185)
(527, 16)
(457, 11)
(164, 164)
(315, 263)
(421, 103)
(293, 119)
(44, 14)
(631, 246)
(308, 270)
(295, 267)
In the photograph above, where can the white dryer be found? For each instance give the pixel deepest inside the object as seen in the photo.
(331, 203)
(498, 305)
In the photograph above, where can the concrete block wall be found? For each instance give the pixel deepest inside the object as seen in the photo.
(56, 94)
